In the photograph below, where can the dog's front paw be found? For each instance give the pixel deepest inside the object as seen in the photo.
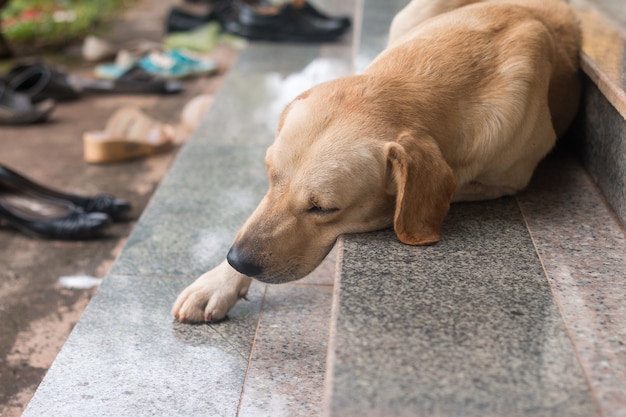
(198, 303)
(211, 296)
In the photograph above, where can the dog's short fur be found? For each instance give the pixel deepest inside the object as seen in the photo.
(465, 101)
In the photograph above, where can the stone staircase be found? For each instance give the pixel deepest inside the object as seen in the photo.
(519, 311)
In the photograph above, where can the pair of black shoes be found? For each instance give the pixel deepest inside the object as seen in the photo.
(43, 212)
(256, 20)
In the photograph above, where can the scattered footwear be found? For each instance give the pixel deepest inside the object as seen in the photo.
(18, 109)
(134, 80)
(104, 203)
(129, 134)
(41, 81)
(294, 21)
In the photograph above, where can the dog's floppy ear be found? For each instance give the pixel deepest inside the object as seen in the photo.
(425, 185)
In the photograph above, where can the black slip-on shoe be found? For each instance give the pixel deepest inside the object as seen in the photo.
(284, 24)
(308, 9)
(116, 208)
(41, 81)
(18, 109)
(51, 220)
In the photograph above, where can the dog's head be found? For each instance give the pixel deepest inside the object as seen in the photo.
(341, 164)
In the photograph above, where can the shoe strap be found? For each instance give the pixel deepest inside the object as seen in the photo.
(38, 75)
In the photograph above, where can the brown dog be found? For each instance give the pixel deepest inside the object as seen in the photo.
(460, 106)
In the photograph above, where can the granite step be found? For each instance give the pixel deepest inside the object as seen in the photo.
(127, 356)
(601, 129)
(520, 309)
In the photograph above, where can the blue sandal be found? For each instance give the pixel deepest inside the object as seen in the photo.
(176, 64)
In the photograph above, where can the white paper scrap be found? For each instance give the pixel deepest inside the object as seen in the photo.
(79, 282)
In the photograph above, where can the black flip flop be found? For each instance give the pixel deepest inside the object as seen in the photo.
(41, 81)
(134, 81)
(18, 109)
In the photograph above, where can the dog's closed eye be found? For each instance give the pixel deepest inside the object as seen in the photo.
(315, 207)
(322, 210)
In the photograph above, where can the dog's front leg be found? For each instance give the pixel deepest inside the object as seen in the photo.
(211, 296)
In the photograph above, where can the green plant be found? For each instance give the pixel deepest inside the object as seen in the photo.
(44, 23)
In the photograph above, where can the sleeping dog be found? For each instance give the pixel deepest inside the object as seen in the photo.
(463, 103)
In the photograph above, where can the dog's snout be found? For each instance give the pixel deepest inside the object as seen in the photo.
(239, 261)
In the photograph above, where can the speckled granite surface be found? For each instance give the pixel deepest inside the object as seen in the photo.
(583, 251)
(128, 356)
(466, 327)
(294, 326)
(601, 130)
(600, 139)
(439, 331)
(520, 310)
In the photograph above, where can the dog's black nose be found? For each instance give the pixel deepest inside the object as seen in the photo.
(238, 261)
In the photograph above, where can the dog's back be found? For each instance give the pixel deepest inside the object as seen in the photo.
(564, 92)
(555, 15)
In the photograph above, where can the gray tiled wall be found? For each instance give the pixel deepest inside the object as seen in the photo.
(600, 140)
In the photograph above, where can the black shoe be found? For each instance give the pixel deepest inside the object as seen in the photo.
(18, 109)
(41, 81)
(308, 9)
(179, 20)
(50, 219)
(114, 207)
(305, 8)
(288, 24)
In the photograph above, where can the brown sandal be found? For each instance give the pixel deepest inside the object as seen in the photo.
(129, 134)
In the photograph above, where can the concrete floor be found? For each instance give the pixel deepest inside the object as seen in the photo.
(36, 313)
